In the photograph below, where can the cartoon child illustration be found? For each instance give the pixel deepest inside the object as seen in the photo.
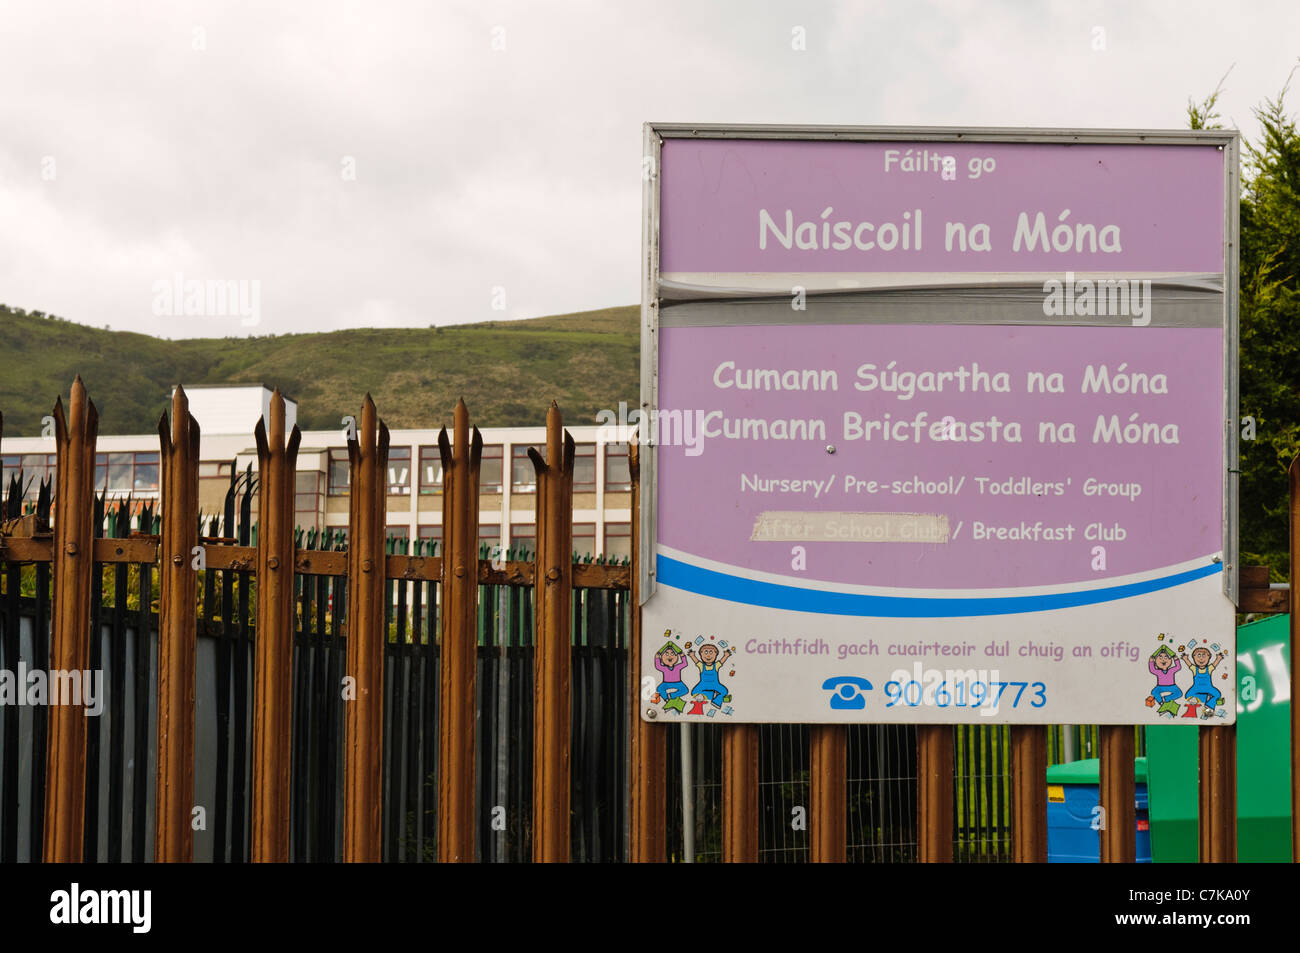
(709, 662)
(1164, 665)
(1203, 666)
(697, 704)
(670, 661)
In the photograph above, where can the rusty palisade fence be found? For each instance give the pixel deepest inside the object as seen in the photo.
(177, 638)
(292, 580)
(460, 467)
(65, 771)
(551, 696)
(273, 647)
(368, 456)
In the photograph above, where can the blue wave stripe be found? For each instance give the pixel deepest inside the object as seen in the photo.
(753, 592)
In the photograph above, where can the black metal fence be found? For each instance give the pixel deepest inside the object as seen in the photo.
(121, 741)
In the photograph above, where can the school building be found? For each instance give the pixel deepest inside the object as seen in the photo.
(127, 466)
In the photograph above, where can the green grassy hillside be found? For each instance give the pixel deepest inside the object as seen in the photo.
(507, 371)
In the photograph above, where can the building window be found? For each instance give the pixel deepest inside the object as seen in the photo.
(618, 540)
(308, 490)
(584, 468)
(523, 475)
(489, 473)
(34, 468)
(398, 537)
(124, 473)
(430, 470)
(146, 473)
(429, 534)
(215, 469)
(523, 539)
(399, 471)
(340, 479)
(489, 540)
(584, 539)
(618, 475)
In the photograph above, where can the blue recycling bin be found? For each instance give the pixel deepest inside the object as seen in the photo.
(1073, 797)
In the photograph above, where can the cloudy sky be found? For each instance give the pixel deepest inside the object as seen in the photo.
(406, 164)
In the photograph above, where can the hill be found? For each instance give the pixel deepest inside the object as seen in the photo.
(507, 371)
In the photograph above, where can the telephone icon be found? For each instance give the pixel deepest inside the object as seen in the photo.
(848, 692)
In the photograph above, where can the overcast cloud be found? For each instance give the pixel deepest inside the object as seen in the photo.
(213, 139)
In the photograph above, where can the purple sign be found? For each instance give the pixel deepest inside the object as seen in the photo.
(938, 430)
(1034, 443)
(743, 206)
